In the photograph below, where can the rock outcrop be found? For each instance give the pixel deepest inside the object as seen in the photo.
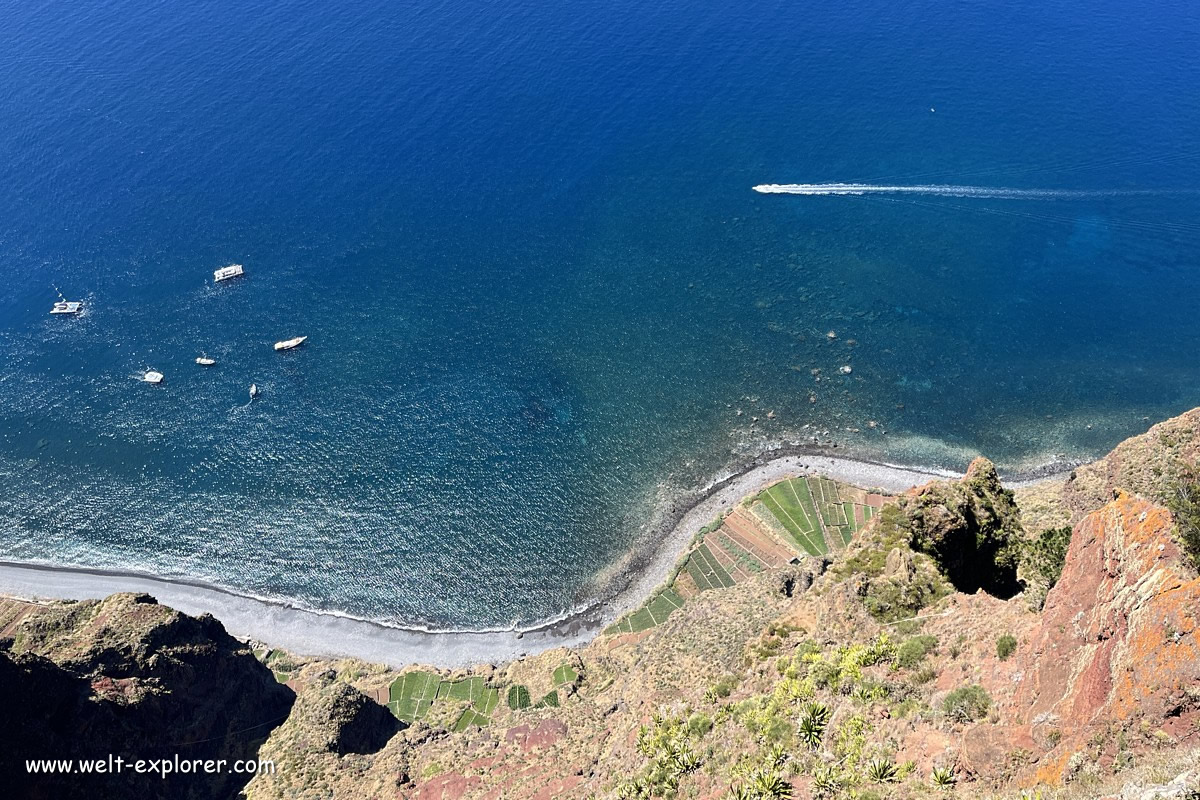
(130, 678)
(971, 527)
(1117, 644)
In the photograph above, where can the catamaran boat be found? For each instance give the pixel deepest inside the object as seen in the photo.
(67, 307)
(205, 361)
(290, 343)
(225, 273)
(153, 377)
(253, 390)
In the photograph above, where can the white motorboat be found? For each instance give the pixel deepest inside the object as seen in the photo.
(205, 361)
(289, 344)
(253, 390)
(225, 273)
(153, 377)
(67, 307)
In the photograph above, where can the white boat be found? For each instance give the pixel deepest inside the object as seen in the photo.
(67, 307)
(153, 377)
(288, 344)
(253, 390)
(225, 273)
(205, 361)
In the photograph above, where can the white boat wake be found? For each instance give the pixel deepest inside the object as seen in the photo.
(944, 190)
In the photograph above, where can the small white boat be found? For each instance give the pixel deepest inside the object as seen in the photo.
(67, 307)
(153, 377)
(205, 361)
(253, 390)
(225, 273)
(288, 344)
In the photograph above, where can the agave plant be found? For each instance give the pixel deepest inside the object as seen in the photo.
(813, 724)
(768, 785)
(943, 777)
(825, 782)
(777, 755)
(684, 758)
(882, 771)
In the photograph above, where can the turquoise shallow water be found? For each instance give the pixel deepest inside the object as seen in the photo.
(537, 283)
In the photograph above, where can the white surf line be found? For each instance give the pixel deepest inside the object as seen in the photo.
(950, 190)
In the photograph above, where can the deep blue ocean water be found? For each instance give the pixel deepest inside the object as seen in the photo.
(538, 287)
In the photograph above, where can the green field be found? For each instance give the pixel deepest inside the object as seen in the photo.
(654, 612)
(702, 565)
(567, 674)
(412, 695)
(810, 510)
(518, 698)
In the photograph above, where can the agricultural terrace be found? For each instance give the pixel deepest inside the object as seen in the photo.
(792, 518)
(413, 695)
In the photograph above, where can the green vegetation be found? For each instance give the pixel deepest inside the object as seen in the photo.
(706, 571)
(1184, 502)
(1006, 645)
(565, 673)
(412, 694)
(791, 503)
(762, 784)
(1042, 560)
(722, 688)
(653, 612)
(967, 703)
(550, 700)
(898, 596)
(518, 698)
(666, 743)
(813, 724)
(801, 512)
(943, 777)
(882, 771)
(912, 652)
(468, 718)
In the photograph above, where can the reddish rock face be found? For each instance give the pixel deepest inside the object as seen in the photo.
(1117, 639)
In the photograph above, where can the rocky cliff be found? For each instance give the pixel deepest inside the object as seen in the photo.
(126, 677)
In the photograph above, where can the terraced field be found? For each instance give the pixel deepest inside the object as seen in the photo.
(413, 694)
(795, 517)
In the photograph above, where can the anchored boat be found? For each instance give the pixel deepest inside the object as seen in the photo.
(205, 361)
(289, 344)
(225, 273)
(67, 307)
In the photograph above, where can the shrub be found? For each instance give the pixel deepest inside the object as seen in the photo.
(967, 703)
(722, 689)
(1184, 502)
(1042, 560)
(924, 675)
(1006, 645)
(914, 650)
(699, 724)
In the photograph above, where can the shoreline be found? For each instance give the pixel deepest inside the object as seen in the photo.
(332, 634)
